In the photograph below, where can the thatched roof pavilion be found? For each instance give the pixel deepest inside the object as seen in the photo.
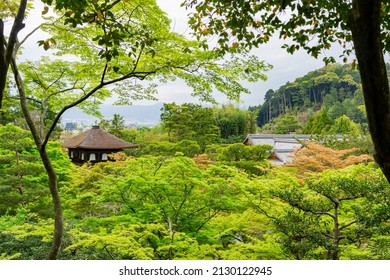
(94, 145)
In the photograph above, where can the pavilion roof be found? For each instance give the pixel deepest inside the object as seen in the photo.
(96, 138)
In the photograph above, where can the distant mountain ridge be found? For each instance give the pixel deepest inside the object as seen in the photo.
(148, 115)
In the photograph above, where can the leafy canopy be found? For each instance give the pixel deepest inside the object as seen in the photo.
(130, 40)
(311, 25)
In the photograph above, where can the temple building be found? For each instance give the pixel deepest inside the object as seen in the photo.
(283, 144)
(94, 145)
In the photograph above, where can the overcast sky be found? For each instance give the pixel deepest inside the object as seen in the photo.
(286, 67)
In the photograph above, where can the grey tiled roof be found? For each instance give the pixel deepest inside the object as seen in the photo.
(283, 144)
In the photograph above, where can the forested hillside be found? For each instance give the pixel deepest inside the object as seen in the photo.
(335, 88)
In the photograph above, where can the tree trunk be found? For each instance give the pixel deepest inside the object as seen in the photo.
(58, 222)
(3, 63)
(314, 95)
(365, 27)
(269, 112)
(336, 231)
(7, 49)
(52, 176)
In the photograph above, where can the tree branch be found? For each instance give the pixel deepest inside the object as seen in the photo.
(327, 235)
(132, 74)
(7, 49)
(350, 198)
(300, 207)
(3, 45)
(23, 103)
(56, 80)
(104, 73)
(316, 213)
(137, 60)
(28, 98)
(17, 26)
(37, 79)
(29, 34)
(347, 225)
(64, 90)
(208, 219)
(65, 108)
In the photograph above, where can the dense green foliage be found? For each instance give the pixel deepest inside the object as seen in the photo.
(169, 204)
(205, 125)
(234, 123)
(310, 25)
(114, 126)
(22, 177)
(190, 121)
(194, 191)
(100, 44)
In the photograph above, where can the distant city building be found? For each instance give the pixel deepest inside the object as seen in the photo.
(70, 126)
(94, 145)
